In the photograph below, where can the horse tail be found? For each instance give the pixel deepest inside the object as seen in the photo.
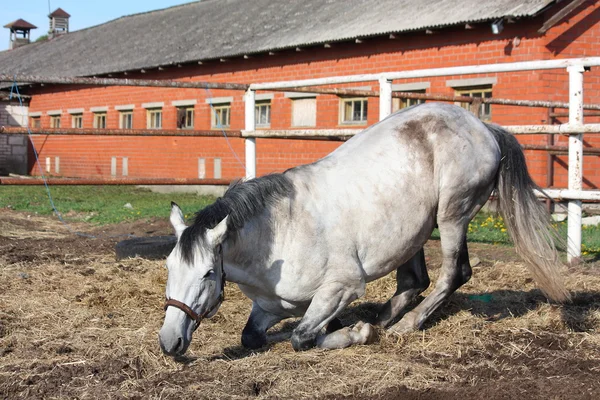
(526, 219)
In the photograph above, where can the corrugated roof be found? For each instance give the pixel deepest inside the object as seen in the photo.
(20, 24)
(214, 29)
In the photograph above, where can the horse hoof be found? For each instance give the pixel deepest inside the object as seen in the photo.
(368, 333)
(303, 342)
(401, 329)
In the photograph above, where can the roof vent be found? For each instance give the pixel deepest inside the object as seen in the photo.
(19, 33)
(59, 23)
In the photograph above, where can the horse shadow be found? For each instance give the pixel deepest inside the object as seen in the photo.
(496, 305)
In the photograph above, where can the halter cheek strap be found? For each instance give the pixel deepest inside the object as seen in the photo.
(197, 318)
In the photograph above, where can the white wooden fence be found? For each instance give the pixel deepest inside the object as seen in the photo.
(575, 127)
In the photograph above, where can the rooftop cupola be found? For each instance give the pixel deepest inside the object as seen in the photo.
(20, 31)
(59, 22)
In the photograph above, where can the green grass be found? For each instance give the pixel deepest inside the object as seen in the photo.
(489, 228)
(104, 205)
(99, 205)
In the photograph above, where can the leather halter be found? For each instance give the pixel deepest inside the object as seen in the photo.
(197, 318)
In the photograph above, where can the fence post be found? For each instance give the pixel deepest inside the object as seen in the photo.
(575, 162)
(250, 126)
(385, 98)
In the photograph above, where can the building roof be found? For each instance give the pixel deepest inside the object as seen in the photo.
(213, 29)
(20, 24)
(60, 13)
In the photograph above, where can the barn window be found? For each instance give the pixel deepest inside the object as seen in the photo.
(185, 117)
(262, 114)
(77, 121)
(154, 118)
(36, 122)
(55, 121)
(399, 103)
(221, 116)
(482, 91)
(354, 111)
(100, 120)
(304, 112)
(126, 119)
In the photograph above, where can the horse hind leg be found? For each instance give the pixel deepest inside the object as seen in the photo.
(455, 272)
(411, 280)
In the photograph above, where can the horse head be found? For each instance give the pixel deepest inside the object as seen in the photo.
(195, 281)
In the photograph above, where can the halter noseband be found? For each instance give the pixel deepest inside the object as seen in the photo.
(197, 318)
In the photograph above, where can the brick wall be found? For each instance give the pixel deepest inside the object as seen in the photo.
(13, 148)
(178, 157)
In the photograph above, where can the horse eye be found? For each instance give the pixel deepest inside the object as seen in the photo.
(208, 274)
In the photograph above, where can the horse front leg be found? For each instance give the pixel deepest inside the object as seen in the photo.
(254, 335)
(327, 303)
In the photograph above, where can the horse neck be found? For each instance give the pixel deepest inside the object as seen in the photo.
(247, 250)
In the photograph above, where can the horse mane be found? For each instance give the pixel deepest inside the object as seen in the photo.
(242, 201)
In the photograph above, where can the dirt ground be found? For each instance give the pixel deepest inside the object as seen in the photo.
(75, 323)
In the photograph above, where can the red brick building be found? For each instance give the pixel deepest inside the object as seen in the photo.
(253, 41)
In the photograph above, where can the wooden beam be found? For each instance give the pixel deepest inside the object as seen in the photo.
(556, 18)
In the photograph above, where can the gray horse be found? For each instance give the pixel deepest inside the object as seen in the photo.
(305, 243)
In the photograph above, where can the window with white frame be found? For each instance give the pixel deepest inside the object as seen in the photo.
(304, 112)
(481, 91)
(55, 121)
(126, 119)
(77, 121)
(185, 117)
(354, 111)
(221, 116)
(99, 120)
(154, 118)
(262, 113)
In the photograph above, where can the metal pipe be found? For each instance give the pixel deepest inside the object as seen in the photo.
(432, 72)
(119, 132)
(550, 160)
(29, 79)
(554, 129)
(111, 181)
(566, 114)
(568, 194)
(250, 124)
(559, 149)
(385, 98)
(575, 161)
(431, 96)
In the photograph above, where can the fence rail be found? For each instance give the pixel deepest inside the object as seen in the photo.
(575, 128)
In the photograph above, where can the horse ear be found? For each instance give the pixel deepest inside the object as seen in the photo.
(217, 234)
(177, 220)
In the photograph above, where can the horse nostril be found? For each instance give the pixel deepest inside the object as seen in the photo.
(171, 347)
